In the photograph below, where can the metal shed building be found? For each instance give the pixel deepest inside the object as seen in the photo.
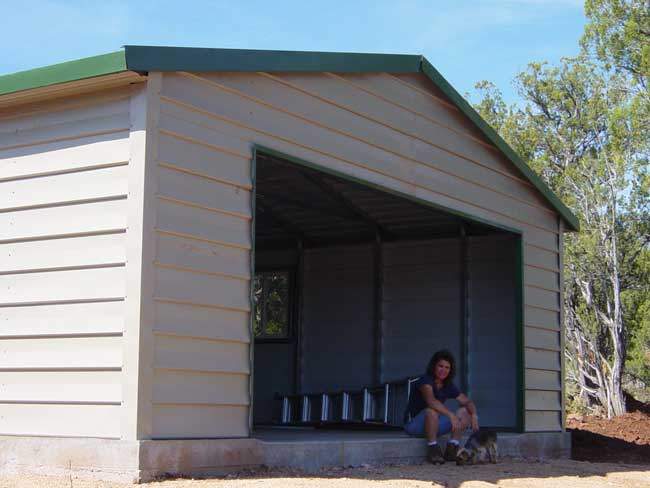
(143, 192)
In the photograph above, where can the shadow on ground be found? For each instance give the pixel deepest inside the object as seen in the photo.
(511, 473)
(591, 446)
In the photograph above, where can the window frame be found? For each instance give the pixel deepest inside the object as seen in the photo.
(292, 306)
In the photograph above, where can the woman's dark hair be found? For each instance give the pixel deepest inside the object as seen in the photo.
(443, 355)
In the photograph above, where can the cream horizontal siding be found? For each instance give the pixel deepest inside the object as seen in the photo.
(335, 132)
(543, 400)
(202, 272)
(61, 353)
(199, 421)
(78, 318)
(542, 421)
(95, 184)
(543, 380)
(60, 420)
(542, 338)
(453, 148)
(539, 317)
(52, 254)
(191, 320)
(201, 288)
(393, 131)
(49, 223)
(200, 354)
(199, 404)
(66, 156)
(182, 219)
(60, 386)
(542, 359)
(63, 190)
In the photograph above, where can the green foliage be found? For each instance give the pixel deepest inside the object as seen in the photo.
(637, 307)
(586, 134)
(271, 304)
(618, 33)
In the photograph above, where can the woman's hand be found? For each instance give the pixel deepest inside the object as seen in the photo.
(475, 423)
(455, 423)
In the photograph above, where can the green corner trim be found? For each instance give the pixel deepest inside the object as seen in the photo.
(434, 75)
(251, 331)
(519, 325)
(79, 69)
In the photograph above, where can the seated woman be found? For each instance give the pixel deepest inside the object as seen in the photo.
(428, 414)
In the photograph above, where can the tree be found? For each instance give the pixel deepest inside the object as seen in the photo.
(618, 33)
(579, 129)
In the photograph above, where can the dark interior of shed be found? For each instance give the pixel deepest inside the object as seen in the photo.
(356, 285)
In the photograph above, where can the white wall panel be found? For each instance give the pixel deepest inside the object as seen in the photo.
(60, 221)
(85, 284)
(334, 121)
(69, 187)
(60, 420)
(63, 156)
(200, 355)
(199, 421)
(62, 253)
(204, 192)
(203, 224)
(172, 386)
(63, 318)
(61, 386)
(73, 352)
(63, 186)
(203, 289)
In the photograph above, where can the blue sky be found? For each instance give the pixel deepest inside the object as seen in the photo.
(466, 40)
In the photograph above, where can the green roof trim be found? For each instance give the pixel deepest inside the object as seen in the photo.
(104, 64)
(152, 58)
(157, 58)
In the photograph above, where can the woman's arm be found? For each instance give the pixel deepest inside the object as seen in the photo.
(471, 409)
(438, 406)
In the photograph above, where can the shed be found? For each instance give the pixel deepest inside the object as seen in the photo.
(186, 234)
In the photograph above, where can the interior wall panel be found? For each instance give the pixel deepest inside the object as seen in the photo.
(338, 316)
(492, 333)
(422, 305)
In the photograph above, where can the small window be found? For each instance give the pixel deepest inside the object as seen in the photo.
(271, 312)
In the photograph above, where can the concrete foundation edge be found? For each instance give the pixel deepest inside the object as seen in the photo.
(140, 461)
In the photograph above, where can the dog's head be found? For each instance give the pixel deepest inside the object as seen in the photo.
(464, 456)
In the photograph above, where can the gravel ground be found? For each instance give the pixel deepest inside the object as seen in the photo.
(508, 473)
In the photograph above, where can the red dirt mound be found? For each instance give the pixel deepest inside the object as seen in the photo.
(622, 439)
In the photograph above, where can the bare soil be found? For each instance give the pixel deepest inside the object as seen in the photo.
(507, 474)
(622, 439)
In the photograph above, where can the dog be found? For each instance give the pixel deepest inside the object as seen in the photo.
(480, 448)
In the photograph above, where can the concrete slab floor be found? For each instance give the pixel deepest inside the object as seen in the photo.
(305, 449)
(312, 449)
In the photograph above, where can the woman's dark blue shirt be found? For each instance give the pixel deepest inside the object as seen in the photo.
(416, 400)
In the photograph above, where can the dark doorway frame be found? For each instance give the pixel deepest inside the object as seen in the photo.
(519, 277)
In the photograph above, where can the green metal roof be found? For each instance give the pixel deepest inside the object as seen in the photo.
(153, 58)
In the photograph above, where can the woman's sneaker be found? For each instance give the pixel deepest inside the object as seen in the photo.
(434, 454)
(451, 451)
